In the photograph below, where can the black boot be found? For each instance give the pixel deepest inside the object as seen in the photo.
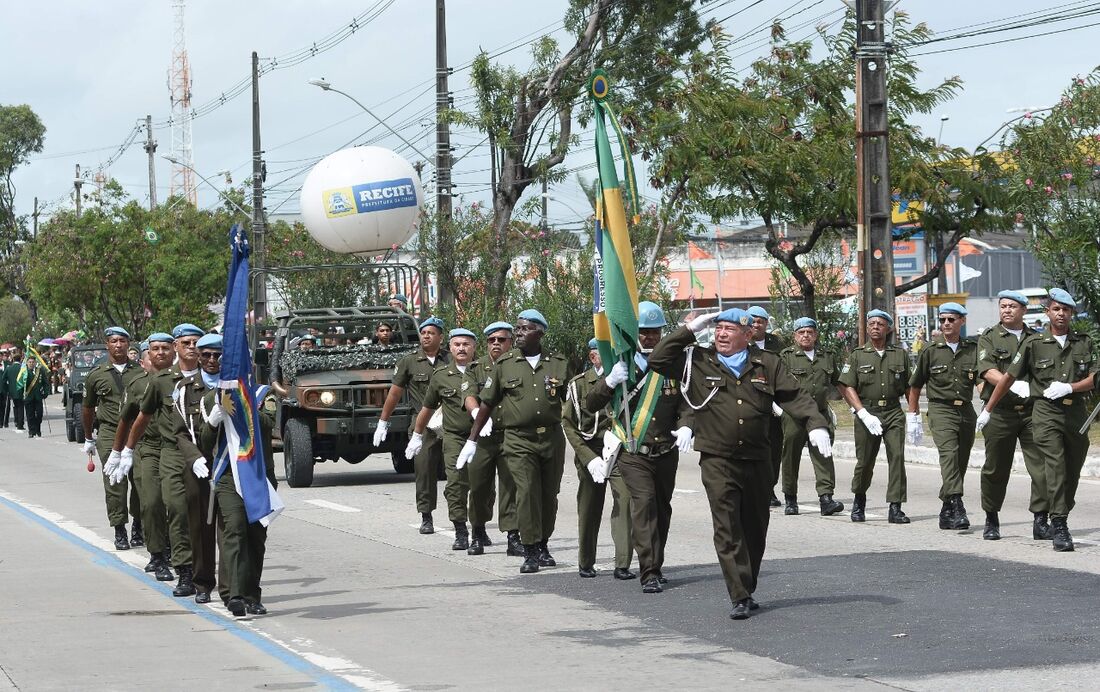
(462, 536)
(859, 506)
(184, 587)
(531, 560)
(154, 560)
(947, 515)
(426, 525)
(774, 502)
(992, 527)
(1040, 528)
(1063, 542)
(476, 546)
(479, 533)
(121, 542)
(515, 547)
(163, 571)
(896, 516)
(137, 538)
(545, 558)
(962, 522)
(829, 506)
(236, 606)
(790, 506)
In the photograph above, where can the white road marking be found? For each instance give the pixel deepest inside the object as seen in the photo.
(325, 504)
(686, 491)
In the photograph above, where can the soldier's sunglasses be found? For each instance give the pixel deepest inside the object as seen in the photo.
(210, 355)
(948, 319)
(499, 339)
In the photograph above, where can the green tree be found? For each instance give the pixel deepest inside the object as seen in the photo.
(15, 320)
(21, 134)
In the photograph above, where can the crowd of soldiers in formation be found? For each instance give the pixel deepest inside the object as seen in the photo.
(22, 400)
(749, 405)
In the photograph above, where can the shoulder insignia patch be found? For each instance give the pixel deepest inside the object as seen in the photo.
(981, 354)
(1017, 358)
(488, 381)
(847, 367)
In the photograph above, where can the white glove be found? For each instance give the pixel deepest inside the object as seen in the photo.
(436, 421)
(832, 416)
(914, 428)
(611, 447)
(89, 447)
(873, 425)
(777, 410)
(199, 468)
(684, 438)
(1057, 390)
(618, 375)
(702, 322)
(487, 429)
(983, 420)
(467, 454)
(819, 437)
(112, 463)
(416, 442)
(380, 432)
(125, 463)
(1021, 388)
(596, 469)
(217, 415)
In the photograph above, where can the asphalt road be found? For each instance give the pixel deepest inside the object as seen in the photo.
(358, 599)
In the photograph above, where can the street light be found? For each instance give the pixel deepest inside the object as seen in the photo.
(943, 119)
(177, 162)
(328, 87)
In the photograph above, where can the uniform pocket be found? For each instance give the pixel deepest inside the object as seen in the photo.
(938, 369)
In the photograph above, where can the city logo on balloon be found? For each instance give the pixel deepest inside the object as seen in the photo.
(369, 197)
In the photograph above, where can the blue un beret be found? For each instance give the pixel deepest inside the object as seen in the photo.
(953, 307)
(1014, 295)
(496, 327)
(211, 341)
(116, 331)
(161, 336)
(533, 315)
(186, 329)
(883, 314)
(592, 344)
(432, 321)
(757, 311)
(1062, 296)
(400, 298)
(803, 322)
(734, 315)
(461, 331)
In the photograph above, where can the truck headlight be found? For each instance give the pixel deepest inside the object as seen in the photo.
(328, 398)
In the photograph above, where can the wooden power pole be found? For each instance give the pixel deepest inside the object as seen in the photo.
(259, 222)
(444, 240)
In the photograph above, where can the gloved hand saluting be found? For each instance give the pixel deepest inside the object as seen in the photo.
(702, 322)
(596, 469)
(617, 375)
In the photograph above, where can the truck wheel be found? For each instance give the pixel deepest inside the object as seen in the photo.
(298, 454)
(400, 463)
(78, 424)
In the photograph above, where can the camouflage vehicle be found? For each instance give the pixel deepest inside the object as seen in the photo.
(79, 362)
(331, 396)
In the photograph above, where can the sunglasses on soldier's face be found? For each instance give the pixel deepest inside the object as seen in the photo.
(208, 355)
(948, 319)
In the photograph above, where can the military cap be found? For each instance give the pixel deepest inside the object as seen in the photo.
(532, 315)
(400, 298)
(461, 331)
(1014, 295)
(592, 344)
(953, 307)
(143, 346)
(160, 336)
(116, 331)
(650, 316)
(883, 314)
(496, 327)
(432, 321)
(757, 311)
(211, 341)
(186, 329)
(734, 315)
(1062, 296)
(804, 322)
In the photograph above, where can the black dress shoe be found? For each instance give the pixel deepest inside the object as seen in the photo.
(163, 571)
(740, 610)
(531, 562)
(587, 573)
(753, 605)
(121, 542)
(896, 516)
(236, 606)
(774, 502)
(1040, 528)
(255, 608)
(992, 527)
(202, 596)
(790, 505)
(515, 547)
(661, 578)
(624, 573)
(544, 557)
(426, 525)
(137, 538)
(185, 586)
(829, 506)
(476, 548)
(859, 506)
(652, 586)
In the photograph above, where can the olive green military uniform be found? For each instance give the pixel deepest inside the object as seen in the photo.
(5, 393)
(146, 470)
(1041, 361)
(948, 378)
(650, 471)
(817, 378)
(488, 464)
(34, 393)
(530, 401)
(732, 416)
(775, 345)
(105, 392)
(448, 389)
(11, 374)
(413, 372)
(1008, 422)
(879, 381)
(187, 422)
(585, 430)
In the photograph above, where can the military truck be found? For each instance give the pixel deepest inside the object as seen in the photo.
(79, 363)
(331, 396)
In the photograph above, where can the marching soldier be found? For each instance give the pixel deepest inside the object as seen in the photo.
(1061, 370)
(5, 399)
(528, 384)
(731, 387)
(488, 463)
(949, 366)
(34, 392)
(1009, 421)
(452, 389)
(874, 377)
(104, 395)
(585, 429)
(661, 427)
(11, 374)
(412, 374)
(766, 341)
(817, 371)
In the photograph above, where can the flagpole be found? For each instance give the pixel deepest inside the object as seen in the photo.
(626, 417)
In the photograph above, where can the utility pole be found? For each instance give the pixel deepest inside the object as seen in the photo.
(77, 182)
(34, 227)
(259, 286)
(873, 192)
(443, 156)
(150, 149)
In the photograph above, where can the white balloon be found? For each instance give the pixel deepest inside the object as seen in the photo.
(361, 200)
